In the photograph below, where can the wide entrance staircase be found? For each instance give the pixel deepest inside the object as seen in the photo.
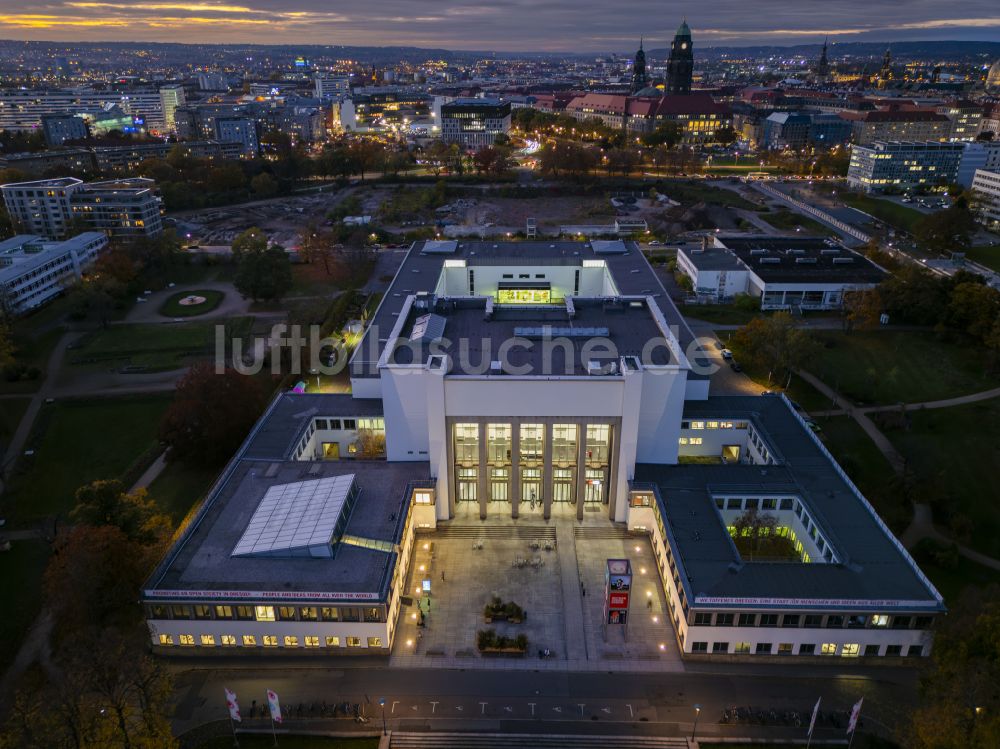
(507, 532)
(412, 740)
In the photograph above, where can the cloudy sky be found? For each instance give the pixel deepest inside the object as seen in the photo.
(514, 25)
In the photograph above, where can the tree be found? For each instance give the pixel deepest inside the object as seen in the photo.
(7, 347)
(974, 308)
(752, 529)
(211, 414)
(774, 343)
(947, 230)
(960, 704)
(251, 240)
(726, 136)
(668, 134)
(862, 309)
(264, 275)
(105, 502)
(93, 576)
(264, 185)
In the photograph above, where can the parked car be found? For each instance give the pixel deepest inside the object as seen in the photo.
(727, 354)
(735, 366)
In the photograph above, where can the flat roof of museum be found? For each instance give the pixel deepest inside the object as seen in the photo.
(873, 569)
(201, 565)
(598, 330)
(421, 270)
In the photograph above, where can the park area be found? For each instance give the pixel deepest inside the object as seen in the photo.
(155, 347)
(192, 303)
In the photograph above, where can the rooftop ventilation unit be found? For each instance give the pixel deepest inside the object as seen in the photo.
(496, 367)
(429, 327)
(758, 251)
(806, 260)
(829, 251)
(609, 247)
(770, 260)
(548, 331)
(843, 260)
(597, 367)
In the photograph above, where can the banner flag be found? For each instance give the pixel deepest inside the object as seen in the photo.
(855, 714)
(274, 706)
(234, 706)
(812, 721)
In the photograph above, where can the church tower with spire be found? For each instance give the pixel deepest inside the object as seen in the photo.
(639, 78)
(680, 65)
(822, 69)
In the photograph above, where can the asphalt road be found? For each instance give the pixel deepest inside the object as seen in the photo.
(547, 701)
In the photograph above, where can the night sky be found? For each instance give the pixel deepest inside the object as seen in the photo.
(506, 25)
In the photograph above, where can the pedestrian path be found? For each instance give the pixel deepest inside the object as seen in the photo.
(576, 640)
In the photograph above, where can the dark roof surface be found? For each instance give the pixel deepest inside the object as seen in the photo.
(420, 272)
(803, 260)
(874, 568)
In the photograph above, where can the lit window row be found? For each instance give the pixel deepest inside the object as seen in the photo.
(269, 641)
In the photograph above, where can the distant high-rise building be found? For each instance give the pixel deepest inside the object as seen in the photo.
(639, 78)
(474, 123)
(332, 86)
(171, 97)
(680, 65)
(213, 82)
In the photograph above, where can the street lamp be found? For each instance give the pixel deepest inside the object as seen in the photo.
(697, 712)
(381, 702)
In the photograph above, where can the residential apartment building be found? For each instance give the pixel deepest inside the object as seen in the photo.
(34, 271)
(242, 130)
(41, 207)
(120, 208)
(978, 155)
(474, 123)
(986, 188)
(904, 165)
(171, 97)
(59, 128)
(966, 119)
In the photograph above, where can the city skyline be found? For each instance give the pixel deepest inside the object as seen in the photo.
(556, 25)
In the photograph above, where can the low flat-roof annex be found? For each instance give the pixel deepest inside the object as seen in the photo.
(875, 571)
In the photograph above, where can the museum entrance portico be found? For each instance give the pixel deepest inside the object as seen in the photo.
(532, 466)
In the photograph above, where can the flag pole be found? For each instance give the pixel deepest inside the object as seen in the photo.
(851, 741)
(232, 724)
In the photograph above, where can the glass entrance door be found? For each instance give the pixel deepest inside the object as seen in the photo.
(467, 480)
(594, 486)
(531, 488)
(563, 488)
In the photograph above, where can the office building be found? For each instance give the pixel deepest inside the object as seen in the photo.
(474, 123)
(125, 208)
(986, 188)
(903, 165)
(966, 118)
(585, 396)
(799, 130)
(59, 128)
(117, 159)
(784, 273)
(171, 97)
(41, 207)
(898, 125)
(34, 271)
(213, 82)
(382, 109)
(242, 130)
(329, 86)
(975, 156)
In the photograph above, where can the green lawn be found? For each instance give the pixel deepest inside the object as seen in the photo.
(954, 452)
(691, 192)
(179, 487)
(76, 442)
(894, 214)
(791, 221)
(11, 412)
(154, 346)
(720, 314)
(985, 255)
(173, 307)
(262, 741)
(888, 367)
(21, 571)
(33, 350)
(952, 580)
(868, 469)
